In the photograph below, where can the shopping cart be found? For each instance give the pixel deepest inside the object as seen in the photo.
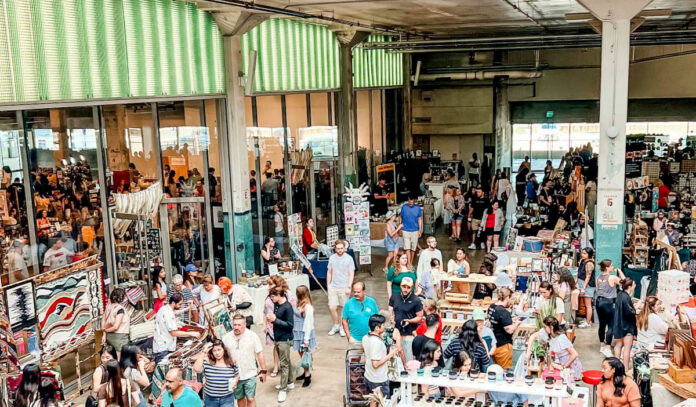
(356, 390)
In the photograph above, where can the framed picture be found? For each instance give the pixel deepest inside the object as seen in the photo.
(522, 269)
(218, 217)
(21, 310)
(537, 265)
(217, 314)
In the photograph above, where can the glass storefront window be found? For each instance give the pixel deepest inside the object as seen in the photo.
(15, 246)
(185, 141)
(66, 192)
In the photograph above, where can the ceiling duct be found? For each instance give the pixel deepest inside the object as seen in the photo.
(530, 42)
(480, 75)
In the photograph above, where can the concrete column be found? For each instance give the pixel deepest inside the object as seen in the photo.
(616, 18)
(347, 109)
(407, 125)
(234, 171)
(503, 127)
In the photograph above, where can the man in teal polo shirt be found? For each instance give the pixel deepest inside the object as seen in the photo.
(357, 312)
(176, 394)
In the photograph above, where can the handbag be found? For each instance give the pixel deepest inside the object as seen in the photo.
(306, 361)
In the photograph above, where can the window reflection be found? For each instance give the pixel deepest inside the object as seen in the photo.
(65, 187)
(14, 243)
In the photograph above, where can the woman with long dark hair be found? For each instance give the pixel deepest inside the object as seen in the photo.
(159, 286)
(470, 341)
(133, 368)
(617, 389)
(219, 370)
(429, 360)
(118, 391)
(624, 328)
(99, 376)
(27, 393)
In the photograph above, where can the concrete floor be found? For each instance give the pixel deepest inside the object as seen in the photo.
(329, 379)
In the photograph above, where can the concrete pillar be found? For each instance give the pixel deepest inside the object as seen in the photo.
(407, 125)
(234, 171)
(347, 108)
(615, 16)
(503, 126)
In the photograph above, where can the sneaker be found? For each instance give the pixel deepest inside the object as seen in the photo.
(290, 386)
(282, 396)
(334, 330)
(472, 247)
(584, 325)
(606, 352)
(483, 245)
(342, 332)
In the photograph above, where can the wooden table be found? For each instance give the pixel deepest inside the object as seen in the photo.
(683, 390)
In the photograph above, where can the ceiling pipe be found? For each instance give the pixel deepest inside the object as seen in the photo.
(479, 75)
(530, 42)
(252, 5)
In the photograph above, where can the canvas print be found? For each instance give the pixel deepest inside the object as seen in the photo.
(64, 314)
(217, 315)
(20, 306)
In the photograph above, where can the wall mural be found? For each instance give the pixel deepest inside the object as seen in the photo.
(66, 310)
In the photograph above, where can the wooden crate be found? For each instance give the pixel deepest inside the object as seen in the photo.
(683, 390)
(681, 375)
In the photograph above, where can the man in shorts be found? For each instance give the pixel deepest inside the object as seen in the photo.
(412, 219)
(376, 357)
(478, 206)
(245, 347)
(339, 279)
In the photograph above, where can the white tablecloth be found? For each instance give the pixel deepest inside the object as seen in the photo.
(259, 294)
(437, 188)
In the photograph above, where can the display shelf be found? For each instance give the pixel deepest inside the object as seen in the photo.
(552, 396)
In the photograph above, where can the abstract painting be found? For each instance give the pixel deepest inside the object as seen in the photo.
(20, 306)
(95, 292)
(64, 314)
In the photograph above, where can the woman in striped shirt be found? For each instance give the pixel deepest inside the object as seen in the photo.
(469, 341)
(220, 374)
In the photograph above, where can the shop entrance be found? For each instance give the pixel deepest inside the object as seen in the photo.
(186, 239)
(324, 190)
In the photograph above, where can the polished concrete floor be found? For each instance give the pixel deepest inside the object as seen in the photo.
(329, 379)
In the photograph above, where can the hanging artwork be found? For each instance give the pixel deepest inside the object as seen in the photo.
(20, 306)
(95, 292)
(65, 314)
(356, 210)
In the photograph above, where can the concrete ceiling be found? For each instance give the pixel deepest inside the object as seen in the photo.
(444, 18)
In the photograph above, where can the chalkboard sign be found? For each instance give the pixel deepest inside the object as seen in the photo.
(633, 169)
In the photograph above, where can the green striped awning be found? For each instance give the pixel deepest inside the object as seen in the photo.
(377, 68)
(297, 56)
(87, 49)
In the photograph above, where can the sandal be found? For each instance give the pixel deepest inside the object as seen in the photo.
(274, 373)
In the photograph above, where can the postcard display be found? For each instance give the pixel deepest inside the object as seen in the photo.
(356, 212)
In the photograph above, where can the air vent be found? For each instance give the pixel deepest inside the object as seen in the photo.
(422, 119)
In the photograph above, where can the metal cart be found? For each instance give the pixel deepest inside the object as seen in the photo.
(356, 390)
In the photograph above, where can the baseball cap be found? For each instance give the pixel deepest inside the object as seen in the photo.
(407, 281)
(390, 214)
(190, 267)
(478, 314)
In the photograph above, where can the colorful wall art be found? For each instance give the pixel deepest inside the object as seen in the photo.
(65, 313)
(20, 306)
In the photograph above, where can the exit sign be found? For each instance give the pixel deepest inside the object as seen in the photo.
(549, 114)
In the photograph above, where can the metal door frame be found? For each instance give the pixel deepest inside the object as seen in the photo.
(164, 227)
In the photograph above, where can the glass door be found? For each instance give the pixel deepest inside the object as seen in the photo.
(324, 192)
(186, 231)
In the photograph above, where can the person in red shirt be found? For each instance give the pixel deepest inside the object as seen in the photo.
(309, 237)
(430, 307)
(663, 190)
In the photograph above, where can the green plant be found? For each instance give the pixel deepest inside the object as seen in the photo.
(538, 350)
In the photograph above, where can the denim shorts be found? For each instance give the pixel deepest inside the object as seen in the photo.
(227, 401)
(384, 386)
(589, 291)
